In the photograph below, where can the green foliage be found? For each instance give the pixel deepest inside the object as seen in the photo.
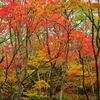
(41, 84)
(37, 91)
(65, 97)
(43, 70)
(36, 97)
(29, 72)
(38, 59)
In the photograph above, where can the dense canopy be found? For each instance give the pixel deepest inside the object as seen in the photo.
(49, 49)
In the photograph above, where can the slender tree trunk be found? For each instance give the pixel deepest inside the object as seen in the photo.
(18, 65)
(91, 81)
(83, 69)
(26, 55)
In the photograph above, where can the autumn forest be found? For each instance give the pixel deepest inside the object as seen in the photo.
(49, 49)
